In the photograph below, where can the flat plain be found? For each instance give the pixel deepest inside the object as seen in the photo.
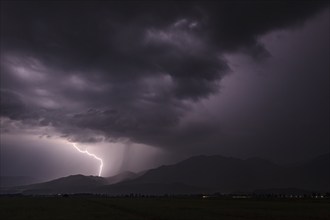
(162, 208)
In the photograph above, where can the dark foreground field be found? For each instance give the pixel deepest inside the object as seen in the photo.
(161, 208)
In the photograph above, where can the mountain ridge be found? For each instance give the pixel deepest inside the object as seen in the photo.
(197, 174)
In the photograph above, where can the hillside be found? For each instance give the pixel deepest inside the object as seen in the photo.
(200, 174)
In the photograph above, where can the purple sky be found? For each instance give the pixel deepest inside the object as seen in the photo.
(142, 84)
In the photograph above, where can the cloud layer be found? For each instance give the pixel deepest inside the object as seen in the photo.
(111, 71)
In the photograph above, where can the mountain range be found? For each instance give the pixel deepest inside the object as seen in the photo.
(199, 174)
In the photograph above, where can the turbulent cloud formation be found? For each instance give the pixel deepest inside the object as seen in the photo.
(111, 71)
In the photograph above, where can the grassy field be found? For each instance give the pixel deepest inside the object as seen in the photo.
(160, 208)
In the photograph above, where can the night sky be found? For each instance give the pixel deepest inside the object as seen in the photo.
(142, 84)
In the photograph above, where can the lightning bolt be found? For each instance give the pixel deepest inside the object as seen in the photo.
(91, 155)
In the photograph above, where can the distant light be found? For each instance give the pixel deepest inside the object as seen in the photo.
(91, 155)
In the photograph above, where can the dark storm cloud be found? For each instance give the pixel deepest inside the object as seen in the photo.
(236, 24)
(109, 70)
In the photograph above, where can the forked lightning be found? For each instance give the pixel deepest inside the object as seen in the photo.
(91, 155)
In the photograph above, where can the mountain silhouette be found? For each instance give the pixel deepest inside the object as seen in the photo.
(226, 174)
(219, 173)
(9, 181)
(70, 184)
(126, 175)
(199, 174)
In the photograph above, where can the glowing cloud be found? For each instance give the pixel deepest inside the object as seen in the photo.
(91, 155)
